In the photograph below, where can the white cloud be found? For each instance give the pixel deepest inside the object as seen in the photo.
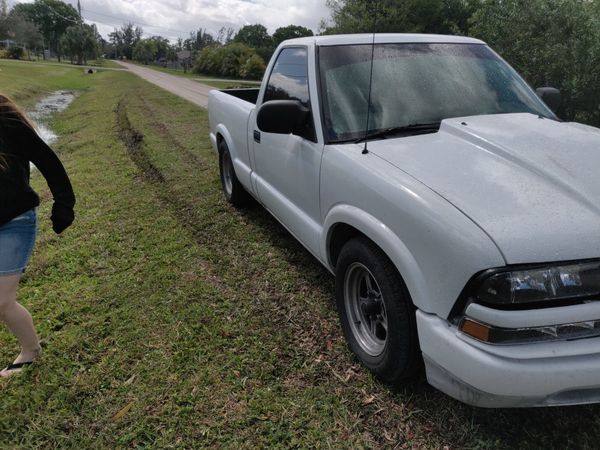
(176, 18)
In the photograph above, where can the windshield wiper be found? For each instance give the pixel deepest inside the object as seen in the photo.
(406, 129)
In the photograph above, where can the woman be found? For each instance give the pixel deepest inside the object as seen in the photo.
(20, 144)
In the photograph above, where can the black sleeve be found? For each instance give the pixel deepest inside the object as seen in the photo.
(40, 154)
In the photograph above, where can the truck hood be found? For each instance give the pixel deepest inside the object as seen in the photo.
(532, 184)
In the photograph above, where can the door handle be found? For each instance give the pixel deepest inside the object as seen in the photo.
(257, 136)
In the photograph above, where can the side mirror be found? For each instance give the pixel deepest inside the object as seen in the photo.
(550, 96)
(281, 116)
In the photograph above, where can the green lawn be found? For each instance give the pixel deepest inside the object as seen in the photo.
(98, 63)
(25, 82)
(171, 320)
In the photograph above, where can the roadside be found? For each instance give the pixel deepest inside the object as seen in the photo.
(171, 320)
(192, 91)
(219, 83)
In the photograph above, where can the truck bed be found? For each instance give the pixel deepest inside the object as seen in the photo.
(250, 94)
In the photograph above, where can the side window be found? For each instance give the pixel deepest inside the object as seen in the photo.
(289, 81)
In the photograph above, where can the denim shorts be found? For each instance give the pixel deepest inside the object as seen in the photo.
(17, 238)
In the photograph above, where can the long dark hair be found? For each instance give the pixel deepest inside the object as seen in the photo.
(10, 112)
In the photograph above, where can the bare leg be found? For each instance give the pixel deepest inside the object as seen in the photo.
(18, 320)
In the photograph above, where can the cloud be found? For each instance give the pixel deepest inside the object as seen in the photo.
(176, 18)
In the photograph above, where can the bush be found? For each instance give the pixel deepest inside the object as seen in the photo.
(253, 68)
(3, 54)
(15, 52)
(231, 60)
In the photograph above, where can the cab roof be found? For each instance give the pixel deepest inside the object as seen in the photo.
(382, 38)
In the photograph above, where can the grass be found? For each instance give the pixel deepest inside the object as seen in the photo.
(26, 82)
(98, 63)
(171, 320)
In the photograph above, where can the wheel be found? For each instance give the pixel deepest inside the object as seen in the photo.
(232, 188)
(376, 312)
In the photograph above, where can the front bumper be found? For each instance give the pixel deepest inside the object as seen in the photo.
(502, 376)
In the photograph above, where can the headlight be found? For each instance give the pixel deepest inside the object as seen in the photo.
(532, 286)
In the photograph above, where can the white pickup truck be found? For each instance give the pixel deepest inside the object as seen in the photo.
(462, 224)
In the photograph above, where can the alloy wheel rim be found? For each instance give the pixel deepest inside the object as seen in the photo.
(227, 168)
(365, 309)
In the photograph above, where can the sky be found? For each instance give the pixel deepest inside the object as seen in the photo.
(176, 18)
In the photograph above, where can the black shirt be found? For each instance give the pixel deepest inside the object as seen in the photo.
(20, 144)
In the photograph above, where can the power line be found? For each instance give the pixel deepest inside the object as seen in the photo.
(134, 22)
(52, 10)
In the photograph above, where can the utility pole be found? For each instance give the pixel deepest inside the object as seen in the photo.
(79, 11)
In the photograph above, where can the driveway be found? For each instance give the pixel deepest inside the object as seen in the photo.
(193, 91)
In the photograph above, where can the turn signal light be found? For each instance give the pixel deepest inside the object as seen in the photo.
(476, 330)
(494, 335)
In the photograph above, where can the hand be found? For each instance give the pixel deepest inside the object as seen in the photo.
(62, 217)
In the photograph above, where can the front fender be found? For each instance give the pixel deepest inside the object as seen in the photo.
(389, 242)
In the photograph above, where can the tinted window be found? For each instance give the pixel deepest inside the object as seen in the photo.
(289, 79)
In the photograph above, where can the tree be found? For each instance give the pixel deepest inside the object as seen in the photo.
(17, 28)
(551, 43)
(161, 47)
(154, 48)
(225, 35)
(52, 18)
(145, 50)
(257, 37)
(198, 40)
(254, 36)
(290, 32)
(400, 16)
(125, 38)
(81, 42)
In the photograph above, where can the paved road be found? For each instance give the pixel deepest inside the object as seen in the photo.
(190, 90)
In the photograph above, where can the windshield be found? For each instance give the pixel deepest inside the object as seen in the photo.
(416, 84)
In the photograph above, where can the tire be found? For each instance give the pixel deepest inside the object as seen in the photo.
(232, 188)
(376, 312)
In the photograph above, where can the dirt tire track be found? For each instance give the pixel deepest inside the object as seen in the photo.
(163, 130)
(134, 142)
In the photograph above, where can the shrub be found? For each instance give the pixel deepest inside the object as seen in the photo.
(15, 52)
(253, 68)
(231, 60)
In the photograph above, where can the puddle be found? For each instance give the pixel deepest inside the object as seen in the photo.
(44, 110)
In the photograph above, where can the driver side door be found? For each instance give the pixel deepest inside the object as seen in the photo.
(287, 166)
